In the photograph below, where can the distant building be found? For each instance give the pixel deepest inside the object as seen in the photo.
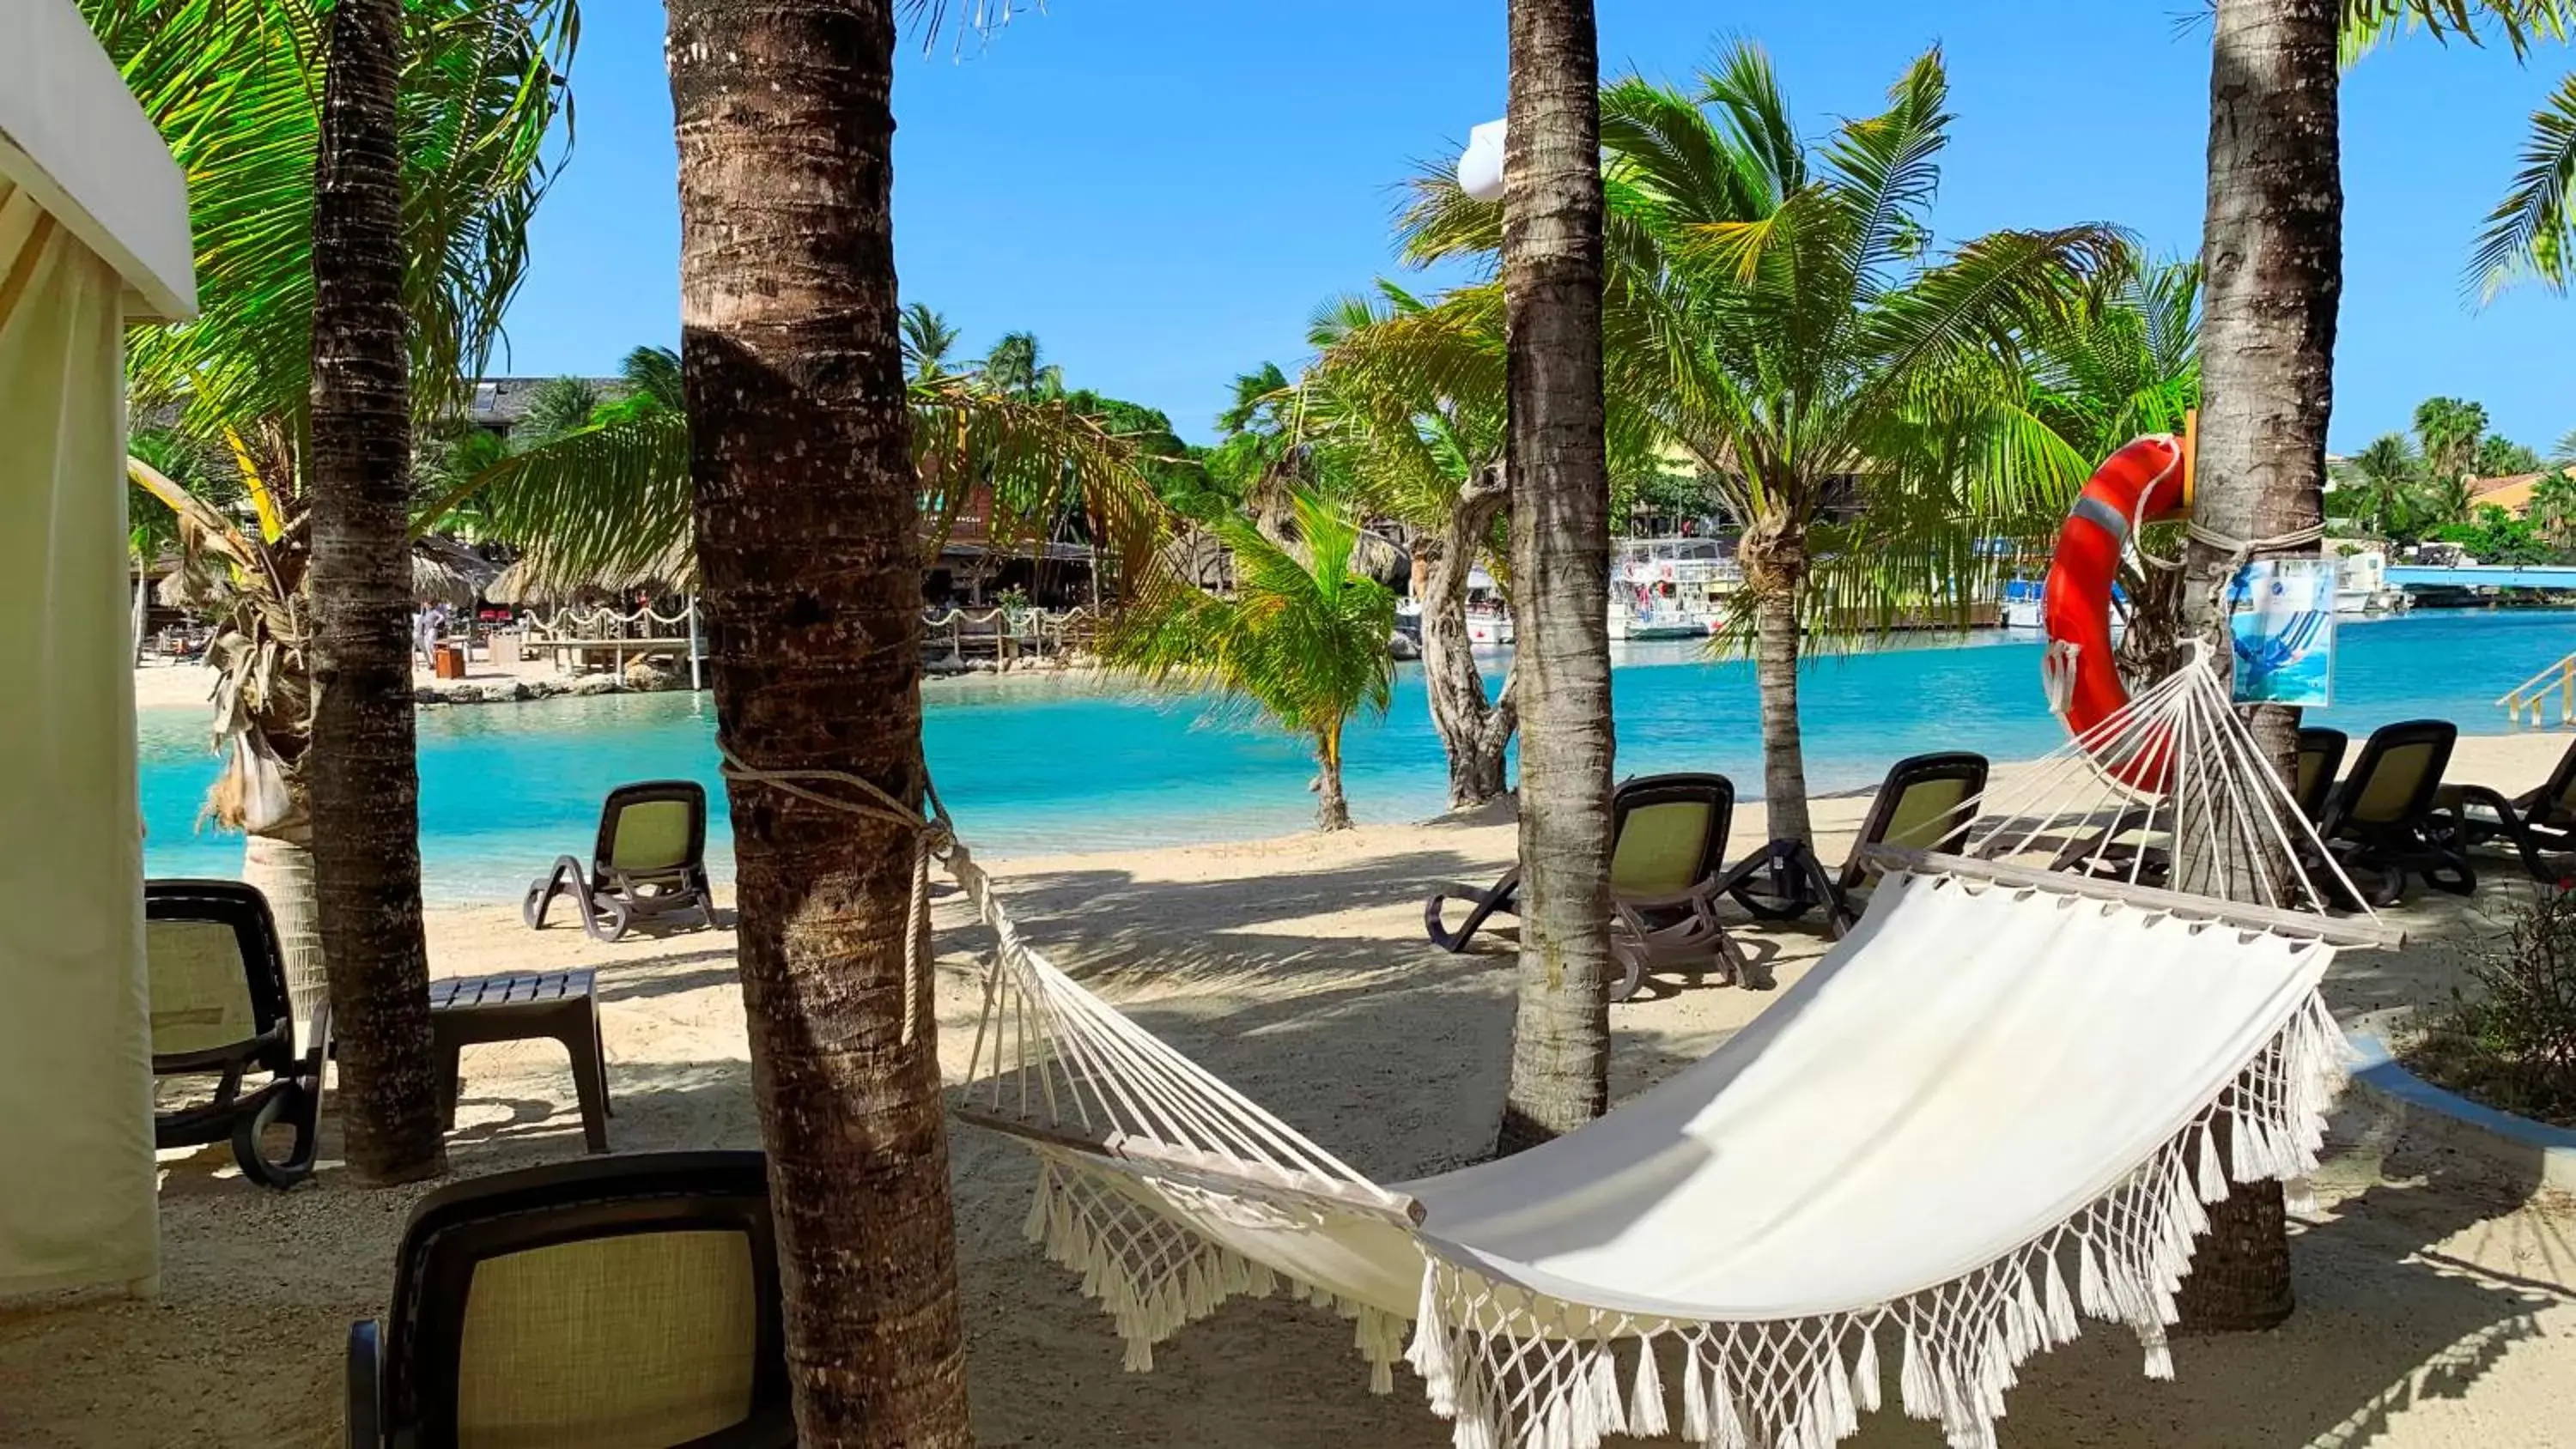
(2512, 492)
(499, 403)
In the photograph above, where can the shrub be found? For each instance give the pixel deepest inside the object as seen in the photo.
(2510, 1041)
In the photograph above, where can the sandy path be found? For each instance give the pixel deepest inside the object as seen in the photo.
(2437, 1307)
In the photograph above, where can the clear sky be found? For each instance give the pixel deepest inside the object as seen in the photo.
(1164, 192)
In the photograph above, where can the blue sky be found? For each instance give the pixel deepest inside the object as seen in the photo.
(1164, 192)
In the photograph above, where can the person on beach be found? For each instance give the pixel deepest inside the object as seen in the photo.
(426, 628)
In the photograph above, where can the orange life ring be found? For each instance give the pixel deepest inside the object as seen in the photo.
(2146, 482)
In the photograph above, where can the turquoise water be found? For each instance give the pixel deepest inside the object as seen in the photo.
(1033, 766)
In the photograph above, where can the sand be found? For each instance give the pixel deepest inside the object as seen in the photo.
(2436, 1301)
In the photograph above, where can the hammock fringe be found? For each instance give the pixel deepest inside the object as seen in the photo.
(1510, 1372)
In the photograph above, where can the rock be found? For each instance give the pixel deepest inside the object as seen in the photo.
(423, 694)
(1400, 645)
(598, 684)
(651, 674)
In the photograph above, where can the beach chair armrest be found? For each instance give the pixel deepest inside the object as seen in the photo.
(365, 1414)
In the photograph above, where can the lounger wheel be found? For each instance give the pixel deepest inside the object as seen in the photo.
(301, 1108)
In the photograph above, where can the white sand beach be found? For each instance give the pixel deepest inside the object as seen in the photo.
(2436, 1308)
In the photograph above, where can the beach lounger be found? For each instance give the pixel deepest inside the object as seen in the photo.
(1667, 856)
(1925, 803)
(2320, 760)
(612, 1301)
(220, 1009)
(2534, 822)
(2381, 820)
(650, 862)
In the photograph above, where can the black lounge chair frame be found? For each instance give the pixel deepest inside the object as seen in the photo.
(403, 1370)
(292, 1095)
(2534, 823)
(610, 900)
(2414, 839)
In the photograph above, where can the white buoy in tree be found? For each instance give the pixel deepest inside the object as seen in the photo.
(1480, 166)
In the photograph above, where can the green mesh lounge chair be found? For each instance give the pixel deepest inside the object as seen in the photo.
(1668, 849)
(2381, 822)
(220, 1010)
(2534, 822)
(1926, 802)
(651, 861)
(610, 1303)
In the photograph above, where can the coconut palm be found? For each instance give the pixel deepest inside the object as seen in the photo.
(1301, 639)
(2501, 457)
(237, 95)
(1552, 259)
(2448, 430)
(2553, 509)
(2532, 230)
(364, 775)
(1852, 396)
(807, 530)
(555, 407)
(927, 341)
(1017, 368)
(2381, 489)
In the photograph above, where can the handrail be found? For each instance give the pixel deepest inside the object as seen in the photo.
(2531, 696)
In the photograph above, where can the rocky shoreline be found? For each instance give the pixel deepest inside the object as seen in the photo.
(648, 676)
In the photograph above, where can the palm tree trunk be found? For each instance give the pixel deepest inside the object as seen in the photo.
(2272, 250)
(1332, 812)
(813, 595)
(364, 779)
(1784, 761)
(1473, 729)
(1560, 498)
(280, 867)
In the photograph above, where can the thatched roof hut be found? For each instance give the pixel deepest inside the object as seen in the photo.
(535, 579)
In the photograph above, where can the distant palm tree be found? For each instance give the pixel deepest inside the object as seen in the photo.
(2381, 489)
(2501, 457)
(1017, 368)
(2447, 430)
(1302, 638)
(653, 373)
(927, 340)
(555, 407)
(2553, 509)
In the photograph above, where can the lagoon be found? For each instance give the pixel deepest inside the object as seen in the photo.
(1034, 765)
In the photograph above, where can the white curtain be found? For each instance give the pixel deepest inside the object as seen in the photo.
(77, 1192)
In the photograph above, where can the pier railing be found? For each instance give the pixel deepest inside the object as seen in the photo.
(584, 638)
(1000, 634)
(2533, 696)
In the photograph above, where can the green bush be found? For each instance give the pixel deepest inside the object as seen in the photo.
(2510, 1039)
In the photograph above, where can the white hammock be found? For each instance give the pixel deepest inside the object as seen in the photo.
(1998, 1103)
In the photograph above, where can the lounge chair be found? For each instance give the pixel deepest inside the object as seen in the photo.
(2381, 820)
(613, 1301)
(1926, 802)
(650, 862)
(220, 1009)
(2534, 822)
(2320, 759)
(1668, 850)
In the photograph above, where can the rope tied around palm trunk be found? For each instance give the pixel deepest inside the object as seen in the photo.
(933, 838)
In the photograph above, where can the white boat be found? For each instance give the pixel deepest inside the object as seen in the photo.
(1489, 620)
(1670, 588)
(2022, 605)
(2361, 579)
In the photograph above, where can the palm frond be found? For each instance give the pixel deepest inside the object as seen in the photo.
(2530, 232)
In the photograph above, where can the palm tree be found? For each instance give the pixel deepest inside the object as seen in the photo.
(477, 95)
(556, 406)
(927, 340)
(2553, 509)
(2501, 457)
(812, 585)
(2449, 429)
(2272, 253)
(2381, 490)
(1852, 403)
(1552, 271)
(364, 776)
(1411, 396)
(1017, 368)
(1302, 638)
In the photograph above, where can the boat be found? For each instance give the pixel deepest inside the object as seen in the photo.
(2361, 579)
(1671, 588)
(1489, 619)
(2021, 604)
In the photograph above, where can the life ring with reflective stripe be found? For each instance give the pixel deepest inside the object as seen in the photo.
(2149, 481)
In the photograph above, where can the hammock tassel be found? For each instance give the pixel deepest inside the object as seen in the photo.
(1695, 1378)
(1646, 1401)
(1726, 1428)
(1606, 1412)
(2062, 1324)
(1865, 1372)
(2160, 1364)
(1921, 1396)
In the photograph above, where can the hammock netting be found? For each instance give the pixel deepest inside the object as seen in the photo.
(1997, 1108)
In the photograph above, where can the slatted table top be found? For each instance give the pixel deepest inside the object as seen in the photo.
(531, 988)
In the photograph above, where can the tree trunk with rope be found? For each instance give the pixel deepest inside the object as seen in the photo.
(1474, 730)
(2272, 255)
(1560, 499)
(807, 515)
(362, 773)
